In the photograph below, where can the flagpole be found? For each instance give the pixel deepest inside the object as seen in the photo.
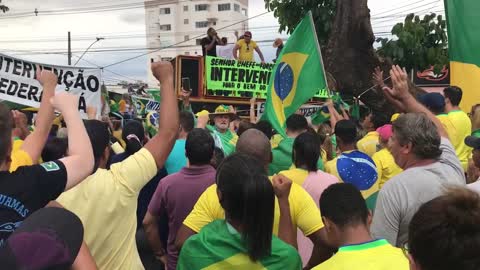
(319, 51)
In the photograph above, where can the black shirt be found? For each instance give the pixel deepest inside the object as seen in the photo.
(205, 42)
(26, 190)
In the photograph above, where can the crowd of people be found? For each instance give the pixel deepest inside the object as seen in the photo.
(213, 191)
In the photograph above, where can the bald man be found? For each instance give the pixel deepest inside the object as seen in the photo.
(304, 212)
(254, 143)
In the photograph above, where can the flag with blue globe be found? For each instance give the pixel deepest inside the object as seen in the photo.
(299, 74)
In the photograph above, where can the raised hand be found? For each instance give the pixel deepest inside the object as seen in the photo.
(64, 102)
(20, 119)
(202, 121)
(378, 77)
(163, 71)
(47, 79)
(281, 186)
(253, 100)
(400, 84)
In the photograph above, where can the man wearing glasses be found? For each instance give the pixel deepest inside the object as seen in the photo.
(246, 46)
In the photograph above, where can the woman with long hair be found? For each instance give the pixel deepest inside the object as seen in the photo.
(244, 239)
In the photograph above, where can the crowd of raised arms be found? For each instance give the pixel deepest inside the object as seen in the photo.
(213, 191)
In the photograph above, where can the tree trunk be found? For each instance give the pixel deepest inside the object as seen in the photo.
(349, 55)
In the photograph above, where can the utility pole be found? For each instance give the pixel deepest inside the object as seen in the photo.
(69, 49)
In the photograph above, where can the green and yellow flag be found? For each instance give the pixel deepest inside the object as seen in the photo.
(464, 48)
(219, 246)
(298, 75)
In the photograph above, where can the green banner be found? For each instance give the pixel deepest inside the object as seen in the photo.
(241, 77)
(237, 77)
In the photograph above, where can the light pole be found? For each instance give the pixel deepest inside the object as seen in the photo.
(97, 40)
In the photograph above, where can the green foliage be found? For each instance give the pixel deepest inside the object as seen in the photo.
(291, 12)
(3, 8)
(419, 43)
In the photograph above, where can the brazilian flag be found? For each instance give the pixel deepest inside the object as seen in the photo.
(299, 75)
(464, 48)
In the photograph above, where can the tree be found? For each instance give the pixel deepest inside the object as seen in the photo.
(290, 12)
(419, 43)
(345, 33)
(3, 8)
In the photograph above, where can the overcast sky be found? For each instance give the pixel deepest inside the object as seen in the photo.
(28, 36)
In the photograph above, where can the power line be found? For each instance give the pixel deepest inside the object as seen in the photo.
(406, 6)
(199, 36)
(81, 10)
(113, 37)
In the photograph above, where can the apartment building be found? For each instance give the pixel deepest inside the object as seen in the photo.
(179, 25)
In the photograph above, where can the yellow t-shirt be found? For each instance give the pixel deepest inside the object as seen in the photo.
(386, 166)
(297, 176)
(106, 202)
(375, 255)
(323, 154)
(368, 144)
(20, 158)
(122, 106)
(118, 135)
(463, 127)
(303, 210)
(449, 127)
(246, 50)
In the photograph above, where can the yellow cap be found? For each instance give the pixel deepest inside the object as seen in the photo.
(202, 113)
(394, 117)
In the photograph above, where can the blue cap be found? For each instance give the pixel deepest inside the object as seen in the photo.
(433, 101)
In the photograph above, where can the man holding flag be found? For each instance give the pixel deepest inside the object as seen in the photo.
(294, 83)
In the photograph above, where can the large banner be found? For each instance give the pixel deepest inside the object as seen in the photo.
(18, 83)
(241, 77)
(232, 75)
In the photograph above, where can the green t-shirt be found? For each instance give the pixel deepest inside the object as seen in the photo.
(282, 157)
(220, 246)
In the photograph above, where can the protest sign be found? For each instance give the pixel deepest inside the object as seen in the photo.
(306, 110)
(240, 77)
(144, 105)
(18, 83)
(232, 75)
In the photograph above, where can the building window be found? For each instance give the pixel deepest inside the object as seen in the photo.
(164, 11)
(224, 7)
(199, 41)
(244, 11)
(186, 38)
(185, 21)
(236, 7)
(185, 8)
(166, 27)
(201, 7)
(203, 24)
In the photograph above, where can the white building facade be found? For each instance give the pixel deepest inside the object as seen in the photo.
(181, 25)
